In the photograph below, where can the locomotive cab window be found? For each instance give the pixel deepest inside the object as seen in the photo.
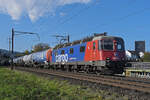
(82, 49)
(71, 51)
(107, 44)
(62, 51)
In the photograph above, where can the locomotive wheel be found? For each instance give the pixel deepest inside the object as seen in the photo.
(87, 70)
(75, 71)
(97, 72)
(70, 68)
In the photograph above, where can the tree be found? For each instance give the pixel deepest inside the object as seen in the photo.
(26, 52)
(146, 57)
(40, 47)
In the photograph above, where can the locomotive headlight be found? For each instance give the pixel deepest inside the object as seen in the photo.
(107, 59)
(108, 62)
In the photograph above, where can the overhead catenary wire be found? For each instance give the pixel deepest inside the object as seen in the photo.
(123, 17)
(20, 33)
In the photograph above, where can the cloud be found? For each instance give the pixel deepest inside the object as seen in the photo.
(34, 9)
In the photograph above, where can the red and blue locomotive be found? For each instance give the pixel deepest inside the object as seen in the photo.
(99, 54)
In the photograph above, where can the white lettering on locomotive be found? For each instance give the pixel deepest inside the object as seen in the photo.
(62, 58)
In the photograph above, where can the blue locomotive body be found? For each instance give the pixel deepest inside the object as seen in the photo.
(73, 53)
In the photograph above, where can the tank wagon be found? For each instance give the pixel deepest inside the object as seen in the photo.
(37, 59)
(18, 61)
(99, 54)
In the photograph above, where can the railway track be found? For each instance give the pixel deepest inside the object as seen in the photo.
(141, 86)
(117, 82)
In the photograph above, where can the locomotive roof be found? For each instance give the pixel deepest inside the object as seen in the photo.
(104, 37)
(95, 37)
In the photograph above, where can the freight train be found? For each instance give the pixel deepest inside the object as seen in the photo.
(99, 54)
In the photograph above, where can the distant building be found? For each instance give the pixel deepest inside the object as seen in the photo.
(139, 46)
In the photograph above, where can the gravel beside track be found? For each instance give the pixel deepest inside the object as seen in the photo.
(135, 89)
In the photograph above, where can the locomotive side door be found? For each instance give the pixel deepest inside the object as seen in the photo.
(90, 52)
(94, 51)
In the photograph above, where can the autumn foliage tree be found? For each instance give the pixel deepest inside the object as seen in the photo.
(40, 47)
(26, 52)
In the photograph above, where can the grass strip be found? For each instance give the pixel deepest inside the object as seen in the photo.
(15, 85)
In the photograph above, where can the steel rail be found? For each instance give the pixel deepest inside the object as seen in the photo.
(131, 85)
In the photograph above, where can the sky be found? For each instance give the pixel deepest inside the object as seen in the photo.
(129, 19)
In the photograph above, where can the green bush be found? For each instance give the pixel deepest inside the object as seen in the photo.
(146, 57)
(16, 85)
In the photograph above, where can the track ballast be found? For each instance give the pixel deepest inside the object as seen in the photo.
(134, 88)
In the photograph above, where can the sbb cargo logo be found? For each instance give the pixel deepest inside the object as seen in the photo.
(62, 58)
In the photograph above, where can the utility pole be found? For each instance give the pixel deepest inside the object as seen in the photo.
(12, 51)
(9, 44)
(68, 38)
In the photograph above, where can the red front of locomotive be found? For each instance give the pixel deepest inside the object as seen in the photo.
(107, 52)
(112, 49)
